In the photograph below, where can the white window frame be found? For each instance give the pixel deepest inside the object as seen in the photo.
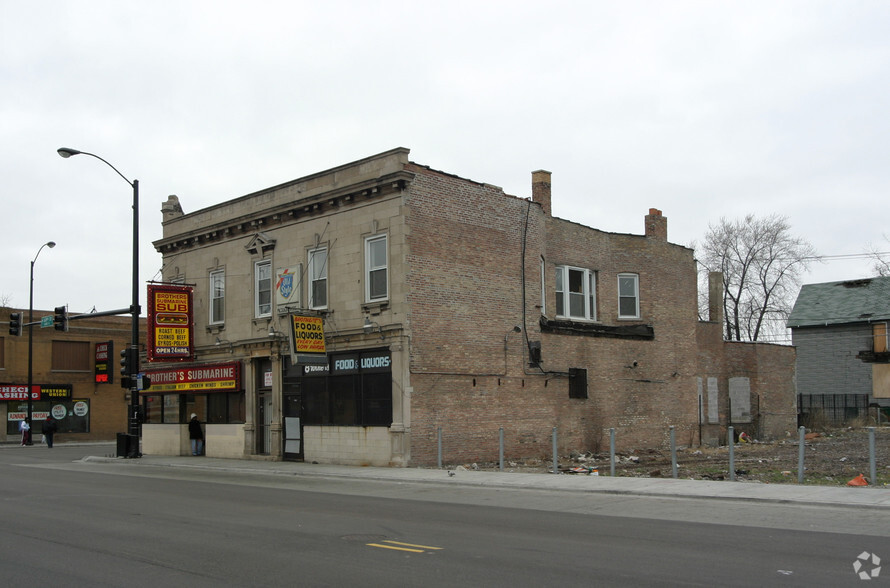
(543, 288)
(217, 294)
(624, 295)
(371, 268)
(564, 296)
(262, 285)
(317, 272)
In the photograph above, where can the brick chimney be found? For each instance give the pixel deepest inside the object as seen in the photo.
(541, 189)
(656, 225)
(171, 209)
(715, 297)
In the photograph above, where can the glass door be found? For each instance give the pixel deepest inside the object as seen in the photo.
(293, 424)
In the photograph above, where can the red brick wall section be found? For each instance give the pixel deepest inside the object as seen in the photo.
(465, 279)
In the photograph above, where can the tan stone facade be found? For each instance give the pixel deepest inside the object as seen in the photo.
(492, 315)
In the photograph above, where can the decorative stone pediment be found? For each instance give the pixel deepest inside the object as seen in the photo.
(259, 244)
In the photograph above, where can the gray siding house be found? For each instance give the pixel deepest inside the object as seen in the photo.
(840, 332)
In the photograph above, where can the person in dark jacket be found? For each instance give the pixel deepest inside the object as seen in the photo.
(196, 435)
(49, 429)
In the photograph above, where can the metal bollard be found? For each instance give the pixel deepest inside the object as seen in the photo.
(439, 434)
(800, 454)
(731, 433)
(612, 452)
(872, 461)
(673, 452)
(555, 455)
(501, 447)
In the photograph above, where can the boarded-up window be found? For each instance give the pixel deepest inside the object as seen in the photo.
(879, 330)
(71, 356)
(713, 415)
(740, 397)
(577, 383)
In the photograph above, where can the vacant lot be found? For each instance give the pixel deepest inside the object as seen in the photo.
(831, 457)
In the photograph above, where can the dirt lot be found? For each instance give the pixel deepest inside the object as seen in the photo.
(832, 457)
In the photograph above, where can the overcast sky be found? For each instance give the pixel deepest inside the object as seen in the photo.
(700, 109)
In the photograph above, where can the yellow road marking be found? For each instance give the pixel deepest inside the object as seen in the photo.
(394, 547)
(403, 546)
(410, 544)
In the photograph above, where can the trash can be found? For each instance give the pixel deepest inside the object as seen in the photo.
(127, 445)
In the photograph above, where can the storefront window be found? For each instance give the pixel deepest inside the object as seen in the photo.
(171, 408)
(354, 390)
(72, 416)
(153, 405)
(210, 408)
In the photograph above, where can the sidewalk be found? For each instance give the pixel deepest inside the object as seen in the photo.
(842, 496)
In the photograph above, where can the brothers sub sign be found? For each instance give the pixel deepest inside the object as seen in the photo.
(170, 325)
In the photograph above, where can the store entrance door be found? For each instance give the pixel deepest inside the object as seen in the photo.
(293, 424)
(264, 420)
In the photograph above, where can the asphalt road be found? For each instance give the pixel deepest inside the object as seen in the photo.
(69, 523)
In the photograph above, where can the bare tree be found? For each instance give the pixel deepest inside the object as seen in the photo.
(880, 259)
(762, 263)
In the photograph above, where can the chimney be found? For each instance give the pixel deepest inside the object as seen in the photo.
(171, 209)
(541, 189)
(656, 225)
(715, 297)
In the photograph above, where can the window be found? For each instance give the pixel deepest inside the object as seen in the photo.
(318, 278)
(356, 391)
(543, 289)
(577, 383)
(375, 269)
(215, 408)
(575, 293)
(879, 330)
(217, 297)
(71, 356)
(263, 275)
(628, 296)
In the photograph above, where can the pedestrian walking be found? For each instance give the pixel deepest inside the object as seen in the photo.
(196, 435)
(49, 429)
(25, 428)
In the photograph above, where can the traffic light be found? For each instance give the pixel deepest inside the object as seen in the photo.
(61, 318)
(126, 355)
(15, 323)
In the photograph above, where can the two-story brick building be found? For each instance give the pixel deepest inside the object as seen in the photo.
(450, 310)
(75, 374)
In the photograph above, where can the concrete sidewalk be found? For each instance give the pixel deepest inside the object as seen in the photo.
(843, 496)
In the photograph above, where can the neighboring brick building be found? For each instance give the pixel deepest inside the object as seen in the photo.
(65, 377)
(449, 308)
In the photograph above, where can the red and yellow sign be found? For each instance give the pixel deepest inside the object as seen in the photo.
(170, 325)
(308, 332)
(224, 377)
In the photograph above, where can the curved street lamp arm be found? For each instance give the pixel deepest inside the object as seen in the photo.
(67, 152)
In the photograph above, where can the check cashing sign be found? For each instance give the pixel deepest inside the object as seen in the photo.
(221, 377)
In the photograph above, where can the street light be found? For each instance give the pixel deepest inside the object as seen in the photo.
(132, 423)
(49, 244)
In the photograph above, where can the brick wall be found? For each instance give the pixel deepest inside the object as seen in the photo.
(770, 371)
(107, 402)
(470, 375)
